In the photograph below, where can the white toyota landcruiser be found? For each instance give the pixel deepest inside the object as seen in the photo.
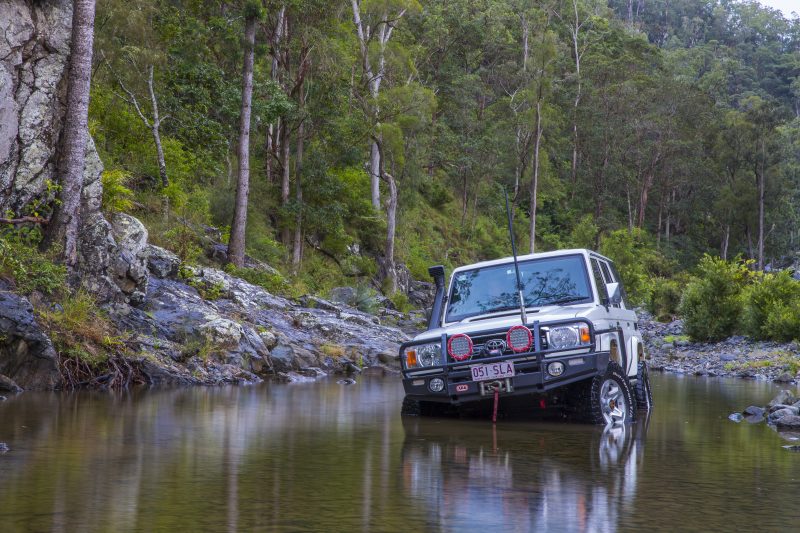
(575, 342)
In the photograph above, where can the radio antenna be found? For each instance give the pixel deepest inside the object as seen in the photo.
(516, 262)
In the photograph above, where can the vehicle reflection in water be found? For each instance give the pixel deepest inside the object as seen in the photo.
(577, 479)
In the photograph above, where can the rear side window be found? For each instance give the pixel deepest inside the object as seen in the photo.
(598, 280)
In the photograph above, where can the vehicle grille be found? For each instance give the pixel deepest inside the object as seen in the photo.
(479, 344)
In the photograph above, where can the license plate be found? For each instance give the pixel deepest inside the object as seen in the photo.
(492, 371)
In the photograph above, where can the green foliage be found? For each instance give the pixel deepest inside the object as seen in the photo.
(29, 270)
(637, 260)
(771, 306)
(712, 302)
(665, 297)
(400, 302)
(116, 195)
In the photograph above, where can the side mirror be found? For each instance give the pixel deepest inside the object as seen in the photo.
(614, 293)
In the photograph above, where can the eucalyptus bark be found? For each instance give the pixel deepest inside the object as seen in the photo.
(236, 245)
(63, 227)
(285, 178)
(273, 131)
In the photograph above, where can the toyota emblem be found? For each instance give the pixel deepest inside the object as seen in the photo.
(495, 344)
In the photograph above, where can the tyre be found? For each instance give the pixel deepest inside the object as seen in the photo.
(644, 394)
(411, 407)
(605, 399)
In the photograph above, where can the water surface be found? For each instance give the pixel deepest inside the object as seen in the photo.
(327, 457)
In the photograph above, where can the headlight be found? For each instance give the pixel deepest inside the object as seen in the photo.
(568, 336)
(423, 355)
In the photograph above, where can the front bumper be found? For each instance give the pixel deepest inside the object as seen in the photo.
(531, 377)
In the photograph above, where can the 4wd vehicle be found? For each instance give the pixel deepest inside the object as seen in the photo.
(575, 341)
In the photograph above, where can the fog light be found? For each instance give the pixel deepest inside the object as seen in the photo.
(555, 369)
(436, 385)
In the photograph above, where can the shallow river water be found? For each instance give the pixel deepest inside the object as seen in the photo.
(328, 457)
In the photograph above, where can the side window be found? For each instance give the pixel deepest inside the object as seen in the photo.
(606, 273)
(598, 280)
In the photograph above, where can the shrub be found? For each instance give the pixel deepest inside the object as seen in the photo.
(770, 308)
(29, 270)
(664, 298)
(711, 304)
(116, 195)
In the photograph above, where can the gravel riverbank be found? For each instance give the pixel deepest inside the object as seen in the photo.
(670, 350)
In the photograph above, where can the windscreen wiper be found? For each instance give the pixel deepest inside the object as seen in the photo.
(566, 300)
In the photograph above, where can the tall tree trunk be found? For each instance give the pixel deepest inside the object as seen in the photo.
(391, 224)
(63, 227)
(576, 50)
(725, 240)
(535, 179)
(272, 141)
(375, 175)
(162, 164)
(761, 191)
(236, 245)
(297, 250)
(285, 161)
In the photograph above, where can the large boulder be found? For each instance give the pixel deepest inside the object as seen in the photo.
(129, 266)
(26, 354)
(162, 263)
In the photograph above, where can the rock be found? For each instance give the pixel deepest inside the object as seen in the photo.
(26, 354)
(282, 357)
(352, 368)
(346, 381)
(792, 448)
(753, 411)
(784, 397)
(788, 422)
(268, 338)
(313, 372)
(727, 357)
(777, 407)
(735, 417)
(780, 414)
(162, 263)
(344, 295)
(4, 447)
(294, 377)
(785, 377)
(130, 262)
(389, 358)
(373, 371)
(3, 398)
(7, 385)
(315, 302)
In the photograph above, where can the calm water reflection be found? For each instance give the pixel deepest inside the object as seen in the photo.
(324, 457)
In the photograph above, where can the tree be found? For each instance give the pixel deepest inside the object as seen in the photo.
(63, 227)
(236, 246)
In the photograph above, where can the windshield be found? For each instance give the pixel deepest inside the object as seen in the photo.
(492, 289)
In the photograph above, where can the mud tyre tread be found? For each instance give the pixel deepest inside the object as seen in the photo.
(642, 390)
(585, 404)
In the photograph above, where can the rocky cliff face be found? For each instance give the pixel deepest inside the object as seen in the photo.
(34, 54)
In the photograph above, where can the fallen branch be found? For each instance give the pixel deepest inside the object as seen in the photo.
(25, 220)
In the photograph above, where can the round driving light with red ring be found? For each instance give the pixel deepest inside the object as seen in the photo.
(459, 347)
(519, 339)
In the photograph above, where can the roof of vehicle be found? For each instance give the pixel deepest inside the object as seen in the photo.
(541, 255)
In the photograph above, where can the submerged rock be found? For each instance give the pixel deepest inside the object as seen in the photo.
(735, 417)
(4, 447)
(346, 381)
(784, 378)
(753, 411)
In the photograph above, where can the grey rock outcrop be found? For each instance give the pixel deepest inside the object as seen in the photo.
(26, 354)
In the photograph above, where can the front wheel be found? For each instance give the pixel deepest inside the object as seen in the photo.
(605, 399)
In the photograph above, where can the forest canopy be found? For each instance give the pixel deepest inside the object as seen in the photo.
(383, 132)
